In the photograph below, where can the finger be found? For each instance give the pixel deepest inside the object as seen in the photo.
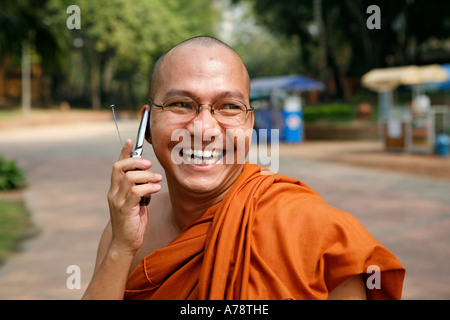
(126, 165)
(137, 192)
(131, 164)
(139, 177)
(133, 178)
(126, 150)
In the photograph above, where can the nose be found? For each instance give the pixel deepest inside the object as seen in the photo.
(205, 116)
(204, 126)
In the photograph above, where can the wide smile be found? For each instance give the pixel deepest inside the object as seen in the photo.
(201, 157)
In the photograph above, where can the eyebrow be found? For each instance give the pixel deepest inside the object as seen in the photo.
(218, 95)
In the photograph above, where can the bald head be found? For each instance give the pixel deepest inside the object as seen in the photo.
(196, 42)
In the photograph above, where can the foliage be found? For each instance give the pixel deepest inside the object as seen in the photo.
(402, 22)
(110, 58)
(344, 45)
(267, 55)
(27, 20)
(119, 41)
(331, 112)
(11, 177)
(263, 53)
(14, 226)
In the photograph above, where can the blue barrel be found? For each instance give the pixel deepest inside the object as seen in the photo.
(293, 126)
(293, 119)
(442, 145)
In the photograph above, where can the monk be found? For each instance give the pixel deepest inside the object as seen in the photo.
(225, 229)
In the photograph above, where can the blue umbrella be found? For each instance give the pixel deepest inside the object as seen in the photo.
(440, 86)
(265, 85)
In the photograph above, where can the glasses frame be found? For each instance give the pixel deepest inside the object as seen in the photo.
(199, 105)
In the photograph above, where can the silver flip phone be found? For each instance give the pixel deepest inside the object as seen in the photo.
(137, 152)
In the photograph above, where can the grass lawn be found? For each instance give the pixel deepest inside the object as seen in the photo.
(15, 225)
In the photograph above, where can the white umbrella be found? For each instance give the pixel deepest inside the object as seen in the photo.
(388, 79)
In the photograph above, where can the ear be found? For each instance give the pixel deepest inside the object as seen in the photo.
(148, 136)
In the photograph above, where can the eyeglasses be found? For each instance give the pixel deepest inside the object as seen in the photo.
(228, 111)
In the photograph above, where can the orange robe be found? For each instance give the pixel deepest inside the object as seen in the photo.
(271, 237)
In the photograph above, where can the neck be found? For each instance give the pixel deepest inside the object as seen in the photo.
(188, 207)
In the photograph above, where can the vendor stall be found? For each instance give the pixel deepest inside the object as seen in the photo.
(278, 104)
(411, 128)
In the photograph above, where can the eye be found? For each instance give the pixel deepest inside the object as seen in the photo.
(180, 104)
(183, 105)
(229, 106)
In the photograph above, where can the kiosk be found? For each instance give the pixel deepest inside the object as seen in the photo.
(407, 129)
(278, 104)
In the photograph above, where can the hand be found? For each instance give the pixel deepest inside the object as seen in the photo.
(128, 186)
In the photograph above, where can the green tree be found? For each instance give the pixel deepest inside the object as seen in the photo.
(119, 41)
(263, 53)
(24, 29)
(26, 20)
(338, 31)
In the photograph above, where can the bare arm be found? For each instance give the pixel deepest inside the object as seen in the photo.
(111, 270)
(124, 234)
(351, 289)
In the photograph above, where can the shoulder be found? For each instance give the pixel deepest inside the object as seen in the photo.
(294, 202)
(313, 240)
(294, 213)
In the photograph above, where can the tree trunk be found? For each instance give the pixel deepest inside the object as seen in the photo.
(26, 78)
(95, 83)
(336, 76)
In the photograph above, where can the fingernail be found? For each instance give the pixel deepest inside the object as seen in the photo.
(158, 176)
(147, 163)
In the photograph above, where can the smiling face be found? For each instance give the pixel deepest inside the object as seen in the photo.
(205, 74)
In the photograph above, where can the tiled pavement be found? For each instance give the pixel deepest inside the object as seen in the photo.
(68, 171)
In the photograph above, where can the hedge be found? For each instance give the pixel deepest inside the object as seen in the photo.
(330, 112)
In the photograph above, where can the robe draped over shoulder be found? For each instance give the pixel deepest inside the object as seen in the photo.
(271, 237)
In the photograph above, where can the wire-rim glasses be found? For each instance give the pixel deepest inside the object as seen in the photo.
(228, 111)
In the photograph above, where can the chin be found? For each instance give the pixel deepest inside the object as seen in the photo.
(199, 188)
(203, 179)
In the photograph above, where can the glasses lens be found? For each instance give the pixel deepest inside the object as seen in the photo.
(230, 111)
(226, 111)
(181, 106)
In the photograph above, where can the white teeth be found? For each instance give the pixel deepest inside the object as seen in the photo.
(207, 153)
(201, 156)
(187, 151)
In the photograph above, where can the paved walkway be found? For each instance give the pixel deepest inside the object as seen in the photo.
(68, 170)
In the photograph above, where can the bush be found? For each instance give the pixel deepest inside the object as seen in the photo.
(11, 177)
(15, 225)
(329, 113)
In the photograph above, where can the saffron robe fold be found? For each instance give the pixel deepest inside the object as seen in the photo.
(271, 237)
